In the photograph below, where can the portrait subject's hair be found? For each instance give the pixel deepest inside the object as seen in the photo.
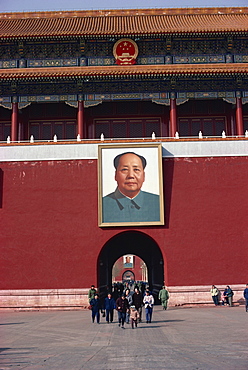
(118, 157)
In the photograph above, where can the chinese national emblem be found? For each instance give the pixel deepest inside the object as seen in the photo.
(125, 52)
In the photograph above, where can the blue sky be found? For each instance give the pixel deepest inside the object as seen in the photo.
(38, 5)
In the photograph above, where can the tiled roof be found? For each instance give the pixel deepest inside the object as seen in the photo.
(123, 22)
(116, 71)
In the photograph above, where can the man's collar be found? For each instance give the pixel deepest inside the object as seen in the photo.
(119, 194)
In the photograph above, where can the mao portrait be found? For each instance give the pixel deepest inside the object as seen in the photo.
(123, 196)
(128, 261)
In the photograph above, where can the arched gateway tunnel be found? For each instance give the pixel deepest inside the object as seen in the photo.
(131, 242)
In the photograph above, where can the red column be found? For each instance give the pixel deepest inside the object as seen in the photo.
(239, 117)
(14, 122)
(173, 117)
(80, 119)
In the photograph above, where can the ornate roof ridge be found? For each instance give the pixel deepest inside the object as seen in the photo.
(124, 12)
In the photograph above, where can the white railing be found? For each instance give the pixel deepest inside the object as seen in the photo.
(102, 138)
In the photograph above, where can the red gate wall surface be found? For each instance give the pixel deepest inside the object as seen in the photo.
(50, 237)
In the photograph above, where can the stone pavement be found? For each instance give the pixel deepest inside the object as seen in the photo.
(179, 338)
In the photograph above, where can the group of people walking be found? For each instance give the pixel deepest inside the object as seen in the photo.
(128, 306)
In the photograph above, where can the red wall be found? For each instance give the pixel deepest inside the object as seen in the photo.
(50, 238)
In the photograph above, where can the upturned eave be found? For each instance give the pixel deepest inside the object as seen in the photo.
(117, 72)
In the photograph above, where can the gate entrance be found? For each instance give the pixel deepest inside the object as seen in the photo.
(128, 275)
(136, 243)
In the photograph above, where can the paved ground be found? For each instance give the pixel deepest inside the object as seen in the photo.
(180, 338)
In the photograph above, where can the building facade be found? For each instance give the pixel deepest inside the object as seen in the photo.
(71, 81)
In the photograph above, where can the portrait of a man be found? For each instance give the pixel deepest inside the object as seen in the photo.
(128, 261)
(128, 202)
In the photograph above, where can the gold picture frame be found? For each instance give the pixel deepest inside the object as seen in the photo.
(142, 204)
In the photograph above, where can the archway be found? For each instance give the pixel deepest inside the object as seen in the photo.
(131, 242)
(128, 275)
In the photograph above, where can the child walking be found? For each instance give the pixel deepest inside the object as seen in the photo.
(134, 316)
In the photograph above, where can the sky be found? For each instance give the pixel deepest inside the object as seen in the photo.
(39, 5)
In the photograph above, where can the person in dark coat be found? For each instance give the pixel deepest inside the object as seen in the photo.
(96, 307)
(109, 305)
(130, 300)
(138, 301)
(229, 295)
(122, 306)
(246, 297)
(115, 293)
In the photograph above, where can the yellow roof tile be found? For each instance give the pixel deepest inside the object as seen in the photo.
(123, 22)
